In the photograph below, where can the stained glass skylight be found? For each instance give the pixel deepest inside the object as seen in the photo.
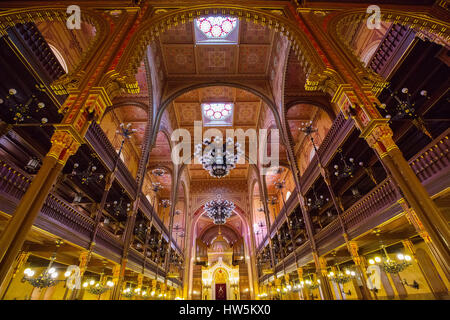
(216, 27)
(217, 114)
(216, 30)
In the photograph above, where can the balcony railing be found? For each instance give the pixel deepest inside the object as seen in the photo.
(431, 165)
(102, 146)
(57, 216)
(337, 134)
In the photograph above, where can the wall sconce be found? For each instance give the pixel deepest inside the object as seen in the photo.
(414, 285)
(77, 198)
(33, 165)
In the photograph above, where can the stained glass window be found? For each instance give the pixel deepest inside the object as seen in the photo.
(217, 111)
(217, 114)
(216, 27)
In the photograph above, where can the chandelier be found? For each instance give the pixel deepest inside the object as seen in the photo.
(165, 203)
(88, 174)
(33, 165)
(318, 201)
(341, 278)
(22, 107)
(46, 279)
(219, 210)
(347, 168)
(218, 157)
(405, 108)
(311, 285)
(159, 172)
(390, 265)
(119, 207)
(98, 288)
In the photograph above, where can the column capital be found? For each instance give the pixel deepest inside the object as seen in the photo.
(64, 144)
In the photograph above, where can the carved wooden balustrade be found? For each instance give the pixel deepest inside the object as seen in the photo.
(337, 134)
(106, 152)
(431, 165)
(391, 49)
(61, 219)
(102, 146)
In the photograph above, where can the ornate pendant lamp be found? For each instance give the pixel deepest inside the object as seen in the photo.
(219, 210)
(218, 158)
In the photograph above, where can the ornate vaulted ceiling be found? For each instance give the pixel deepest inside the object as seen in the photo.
(182, 57)
(247, 109)
(176, 61)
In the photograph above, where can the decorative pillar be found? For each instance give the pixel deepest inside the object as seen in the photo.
(140, 282)
(429, 216)
(174, 197)
(326, 290)
(18, 264)
(263, 191)
(117, 278)
(163, 287)
(412, 217)
(304, 289)
(352, 247)
(322, 274)
(63, 146)
(154, 284)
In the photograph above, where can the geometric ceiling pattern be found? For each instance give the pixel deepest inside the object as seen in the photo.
(247, 107)
(183, 57)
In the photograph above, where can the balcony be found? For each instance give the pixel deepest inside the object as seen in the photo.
(63, 220)
(431, 166)
(337, 134)
(99, 142)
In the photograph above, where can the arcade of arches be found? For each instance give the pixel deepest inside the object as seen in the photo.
(347, 198)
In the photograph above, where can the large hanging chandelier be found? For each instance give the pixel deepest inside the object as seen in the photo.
(218, 157)
(219, 210)
(390, 265)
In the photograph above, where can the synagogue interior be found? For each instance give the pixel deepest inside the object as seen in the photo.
(237, 150)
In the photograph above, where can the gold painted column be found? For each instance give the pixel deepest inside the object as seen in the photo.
(411, 215)
(20, 261)
(115, 280)
(13, 237)
(379, 137)
(119, 279)
(154, 285)
(352, 247)
(140, 281)
(322, 274)
(304, 289)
